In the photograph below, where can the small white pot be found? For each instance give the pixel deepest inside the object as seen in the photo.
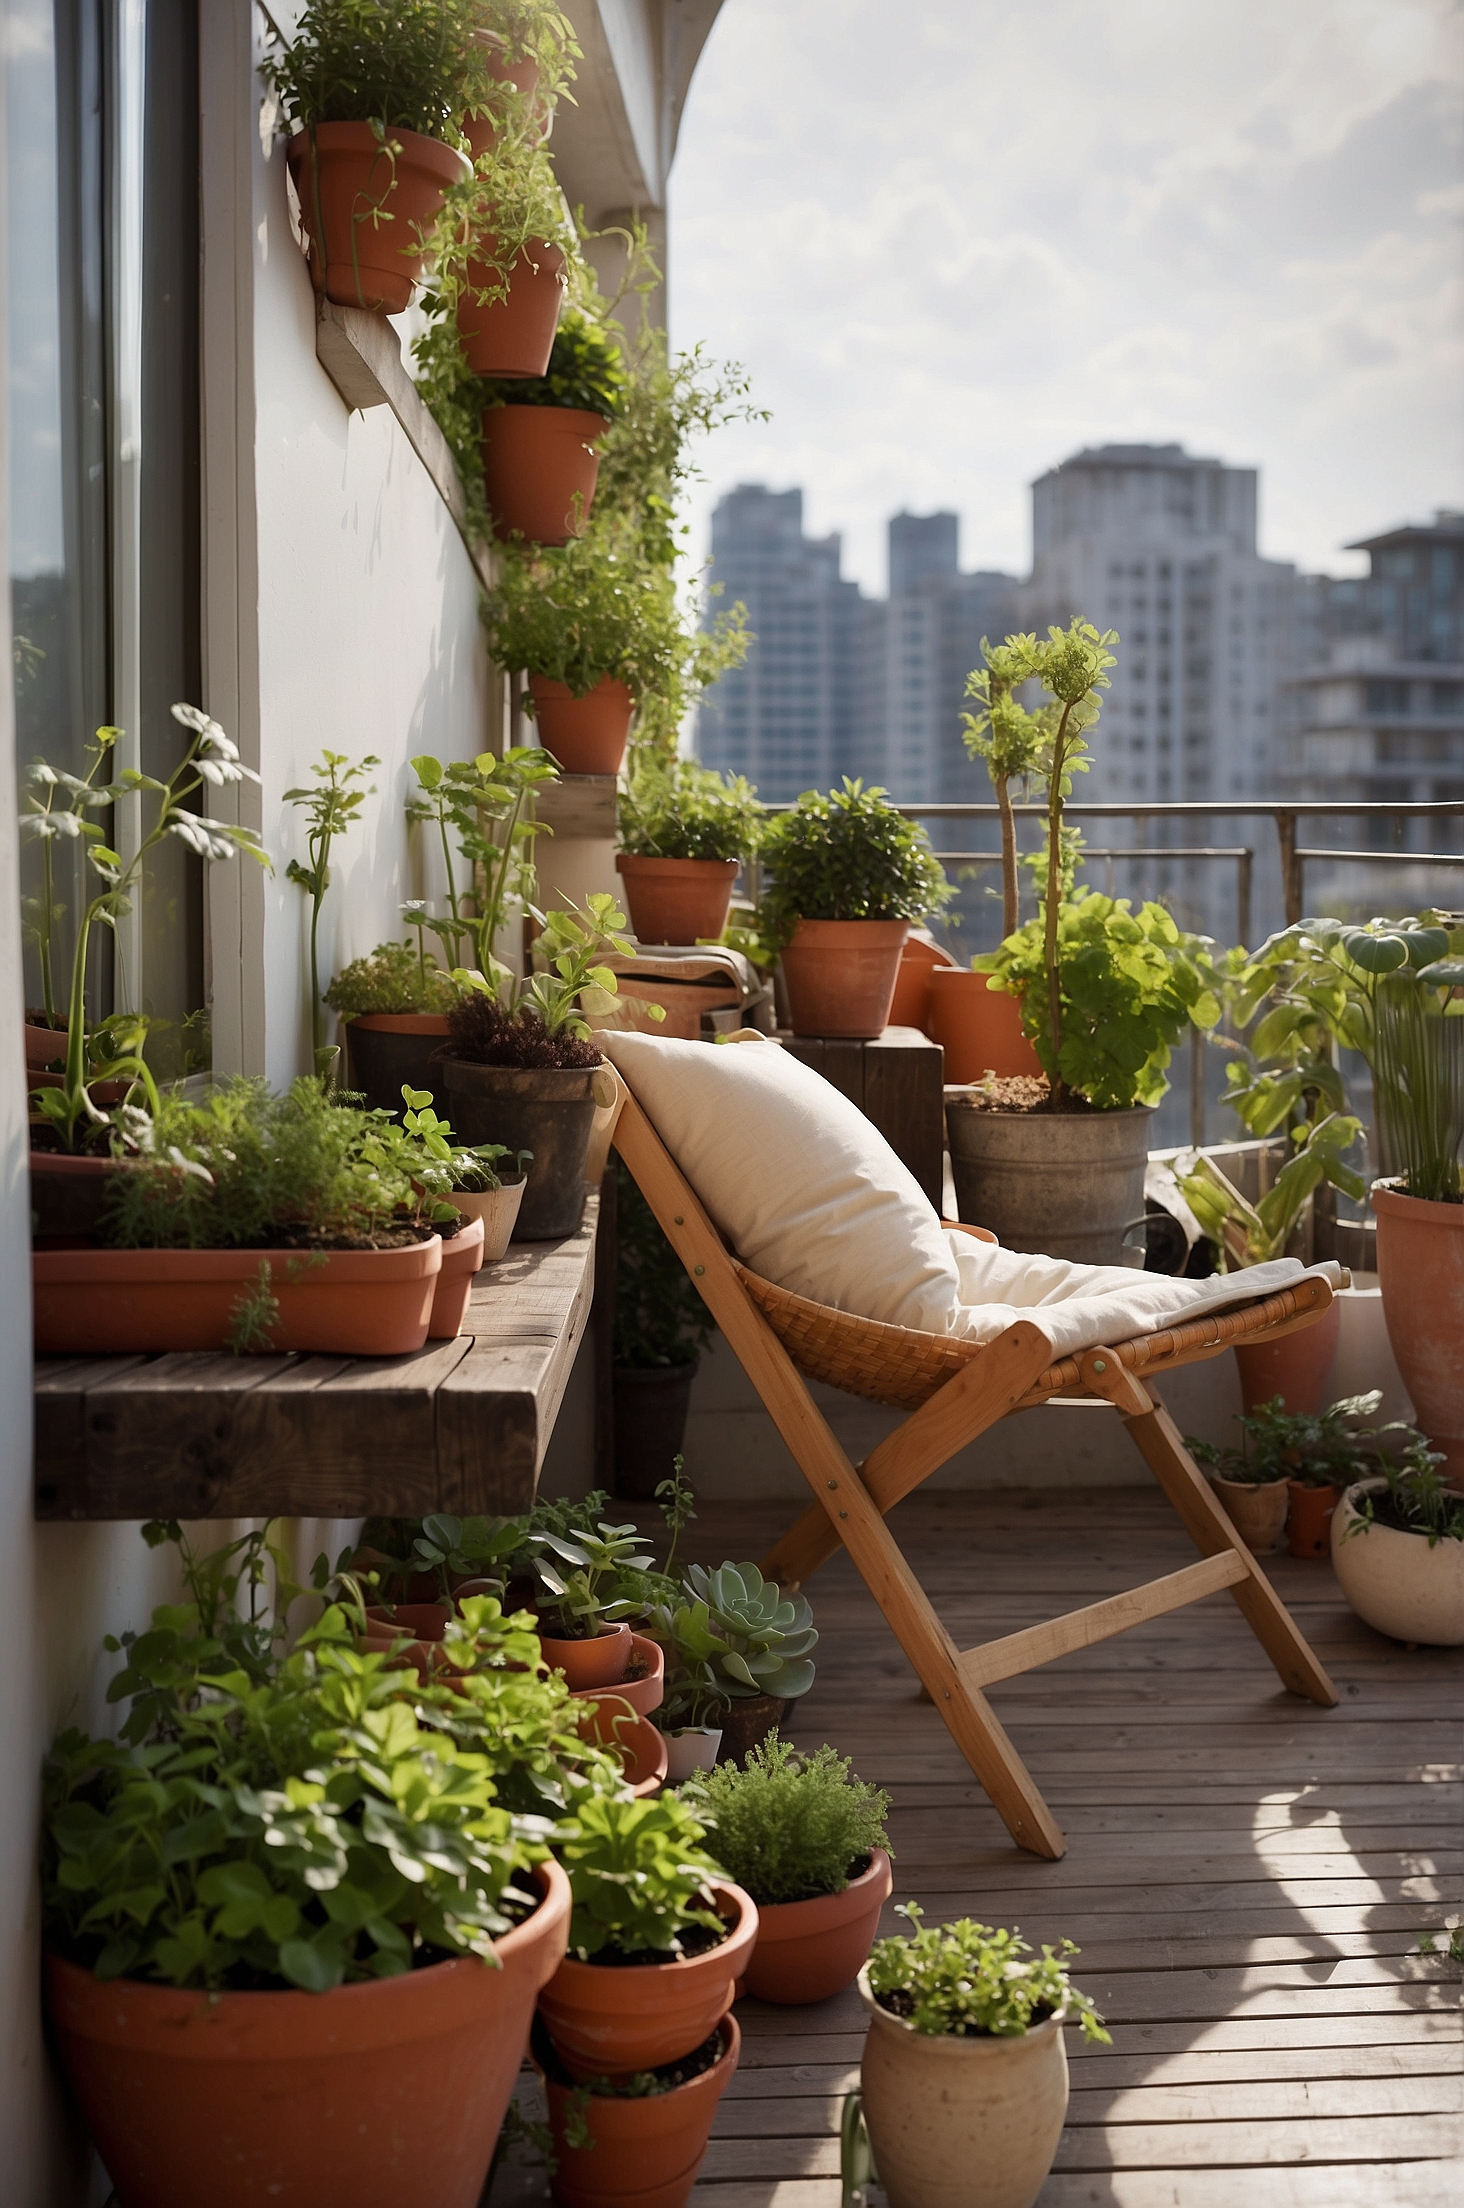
(1395, 1581)
(961, 2123)
(690, 1748)
(498, 1208)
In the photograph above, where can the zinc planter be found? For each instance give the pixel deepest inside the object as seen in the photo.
(810, 1950)
(979, 1029)
(961, 2123)
(540, 466)
(547, 1109)
(375, 2094)
(1298, 1367)
(513, 335)
(1395, 1581)
(498, 1209)
(609, 2020)
(367, 206)
(690, 1748)
(1421, 1272)
(841, 975)
(651, 1405)
(586, 735)
(346, 1303)
(676, 900)
(646, 2151)
(1258, 1513)
(387, 1051)
(1062, 1183)
(461, 1258)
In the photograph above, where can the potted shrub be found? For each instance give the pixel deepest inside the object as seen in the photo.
(327, 1992)
(394, 1005)
(744, 1643)
(1291, 1468)
(637, 2139)
(849, 875)
(582, 1619)
(1398, 1550)
(964, 2068)
(807, 1840)
(540, 436)
(657, 1940)
(374, 99)
(660, 1328)
(684, 833)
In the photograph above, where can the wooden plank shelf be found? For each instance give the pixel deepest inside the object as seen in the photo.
(460, 1426)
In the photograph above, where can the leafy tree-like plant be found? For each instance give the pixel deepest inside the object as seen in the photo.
(1011, 739)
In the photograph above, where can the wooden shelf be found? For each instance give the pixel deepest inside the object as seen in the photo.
(460, 1426)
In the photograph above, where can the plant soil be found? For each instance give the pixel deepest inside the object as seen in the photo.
(646, 2084)
(1022, 1092)
(484, 1034)
(1386, 1512)
(697, 1939)
(901, 2002)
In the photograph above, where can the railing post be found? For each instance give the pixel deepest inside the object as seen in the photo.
(1197, 1089)
(1290, 867)
(1244, 873)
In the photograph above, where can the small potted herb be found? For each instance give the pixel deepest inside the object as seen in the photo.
(964, 2067)
(541, 435)
(660, 1328)
(582, 1619)
(1315, 1455)
(1398, 1550)
(807, 1840)
(684, 832)
(468, 1179)
(849, 875)
(393, 1005)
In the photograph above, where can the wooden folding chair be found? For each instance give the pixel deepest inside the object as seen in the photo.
(955, 1391)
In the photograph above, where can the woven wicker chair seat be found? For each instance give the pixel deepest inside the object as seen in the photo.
(898, 1366)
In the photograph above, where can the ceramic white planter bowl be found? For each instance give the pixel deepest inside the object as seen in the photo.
(1395, 1581)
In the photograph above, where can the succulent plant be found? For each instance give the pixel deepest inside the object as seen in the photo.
(760, 1637)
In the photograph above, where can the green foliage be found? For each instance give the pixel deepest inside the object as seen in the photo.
(638, 1874)
(1012, 740)
(966, 1981)
(1320, 1449)
(331, 804)
(847, 856)
(1253, 1234)
(436, 1160)
(574, 979)
(667, 407)
(578, 1576)
(1132, 985)
(482, 808)
(1416, 1499)
(660, 1319)
(407, 64)
(682, 810)
(755, 1638)
(394, 978)
(585, 371)
(787, 1827)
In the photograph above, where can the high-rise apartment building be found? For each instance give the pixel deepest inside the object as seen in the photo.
(933, 623)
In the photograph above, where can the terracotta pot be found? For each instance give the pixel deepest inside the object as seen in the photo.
(586, 735)
(411, 1633)
(549, 1110)
(1309, 1520)
(1298, 1367)
(1258, 1514)
(44, 1046)
(747, 1723)
(1394, 1581)
(961, 2123)
(810, 1950)
(677, 900)
(513, 336)
(644, 1691)
(651, 1404)
(67, 1195)
(342, 175)
(597, 1663)
(461, 1258)
(918, 961)
(540, 465)
(610, 1719)
(497, 1210)
(979, 1029)
(609, 2020)
(840, 975)
(425, 1621)
(387, 1051)
(375, 2094)
(355, 1303)
(690, 1748)
(646, 2152)
(1421, 1272)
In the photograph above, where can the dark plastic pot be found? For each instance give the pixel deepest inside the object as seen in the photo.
(547, 1109)
(388, 1049)
(651, 1403)
(66, 1198)
(746, 1724)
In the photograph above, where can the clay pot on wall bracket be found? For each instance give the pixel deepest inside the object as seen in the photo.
(367, 205)
(1063, 1183)
(1309, 1520)
(375, 2094)
(497, 1209)
(676, 900)
(610, 2020)
(810, 1950)
(840, 976)
(540, 466)
(586, 735)
(462, 1256)
(644, 2152)
(918, 961)
(1297, 1367)
(651, 1404)
(1258, 1513)
(979, 1029)
(547, 1109)
(513, 335)
(1394, 1581)
(1421, 1272)
(389, 1050)
(954, 2122)
(589, 1664)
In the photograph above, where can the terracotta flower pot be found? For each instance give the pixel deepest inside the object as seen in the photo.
(650, 1405)
(1258, 1513)
(411, 1633)
(961, 2123)
(44, 1046)
(387, 1051)
(1421, 1271)
(644, 1691)
(513, 335)
(1298, 1367)
(645, 2152)
(918, 961)
(1309, 1520)
(497, 1209)
(367, 206)
(461, 1258)
(67, 1195)
(690, 1748)
(677, 900)
(1394, 1581)
(609, 2020)
(810, 1950)
(540, 466)
(610, 1720)
(840, 975)
(374, 2094)
(549, 1110)
(747, 1722)
(979, 1029)
(586, 735)
(597, 1663)
(352, 1303)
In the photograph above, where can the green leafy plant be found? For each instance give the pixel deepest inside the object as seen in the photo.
(967, 1981)
(408, 64)
(1415, 1500)
(585, 371)
(660, 1320)
(331, 805)
(787, 1826)
(751, 1638)
(394, 978)
(1012, 740)
(574, 979)
(484, 806)
(638, 1874)
(682, 810)
(578, 1577)
(676, 1501)
(440, 1162)
(847, 856)
(1320, 1449)
(1253, 1234)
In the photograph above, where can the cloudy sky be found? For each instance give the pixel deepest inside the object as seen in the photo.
(956, 240)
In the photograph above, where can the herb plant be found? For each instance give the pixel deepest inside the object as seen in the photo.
(395, 978)
(683, 810)
(408, 64)
(577, 1577)
(966, 1981)
(1415, 1500)
(1321, 1449)
(483, 806)
(787, 1827)
(638, 1873)
(847, 856)
(331, 805)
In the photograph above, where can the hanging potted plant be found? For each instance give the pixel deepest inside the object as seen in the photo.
(807, 1840)
(685, 831)
(849, 875)
(374, 98)
(1398, 1550)
(541, 436)
(661, 1326)
(964, 2066)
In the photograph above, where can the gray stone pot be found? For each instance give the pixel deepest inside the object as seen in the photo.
(1064, 1183)
(547, 1109)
